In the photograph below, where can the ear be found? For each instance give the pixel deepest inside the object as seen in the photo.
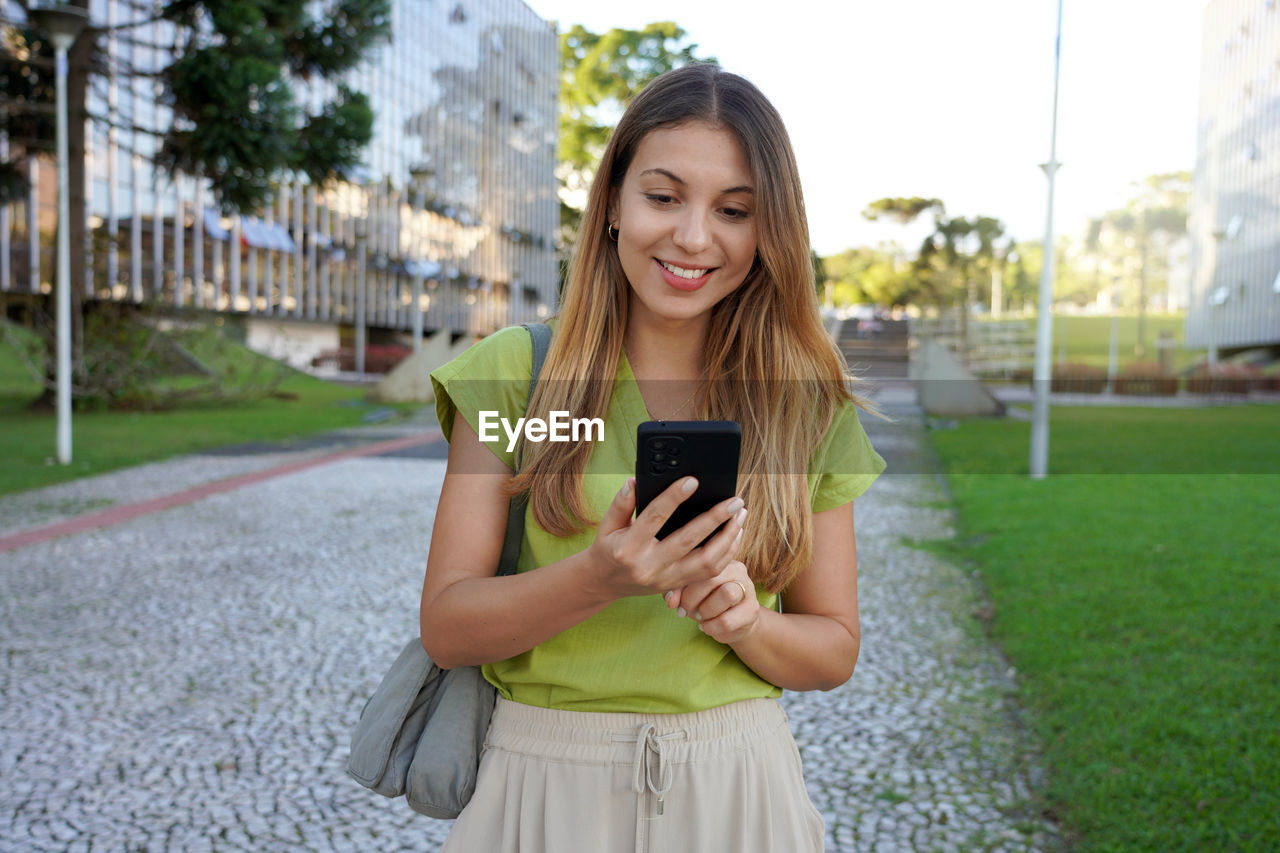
(611, 209)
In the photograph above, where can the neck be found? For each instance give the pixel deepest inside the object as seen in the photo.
(667, 361)
(666, 351)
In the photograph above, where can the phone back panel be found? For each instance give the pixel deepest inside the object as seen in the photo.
(669, 450)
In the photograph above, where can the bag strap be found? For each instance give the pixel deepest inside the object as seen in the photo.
(541, 337)
(540, 333)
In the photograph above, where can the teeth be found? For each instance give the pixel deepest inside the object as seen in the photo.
(683, 273)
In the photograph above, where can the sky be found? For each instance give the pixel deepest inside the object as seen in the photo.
(953, 100)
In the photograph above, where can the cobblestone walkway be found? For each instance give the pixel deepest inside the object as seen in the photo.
(187, 680)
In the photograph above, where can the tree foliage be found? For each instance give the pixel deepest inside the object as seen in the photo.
(1071, 279)
(957, 259)
(27, 114)
(903, 210)
(878, 276)
(820, 277)
(1128, 248)
(236, 117)
(129, 362)
(599, 74)
(237, 120)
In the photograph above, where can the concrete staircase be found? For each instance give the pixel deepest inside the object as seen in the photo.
(940, 384)
(880, 356)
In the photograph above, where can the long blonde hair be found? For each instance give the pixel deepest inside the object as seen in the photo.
(771, 366)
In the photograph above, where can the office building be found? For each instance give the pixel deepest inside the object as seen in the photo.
(1234, 223)
(455, 207)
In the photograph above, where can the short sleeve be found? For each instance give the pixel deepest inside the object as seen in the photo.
(489, 381)
(847, 463)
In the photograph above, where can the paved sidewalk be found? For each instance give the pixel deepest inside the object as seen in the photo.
(187, 679)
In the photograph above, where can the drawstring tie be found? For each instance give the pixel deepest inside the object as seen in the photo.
(649, 752)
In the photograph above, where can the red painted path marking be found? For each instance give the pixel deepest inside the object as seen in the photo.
(117, 514)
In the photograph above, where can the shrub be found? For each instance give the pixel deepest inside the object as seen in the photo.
(1225, 379)
(1078, 378)
(377, 359)
(381, 359)
(129, 357)
(1146, 379)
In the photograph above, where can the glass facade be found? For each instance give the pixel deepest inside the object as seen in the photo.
(456, 198)
(1235, 202)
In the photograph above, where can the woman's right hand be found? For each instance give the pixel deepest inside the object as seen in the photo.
(635, 562)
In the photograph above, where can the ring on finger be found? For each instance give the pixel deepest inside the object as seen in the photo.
(744, 591)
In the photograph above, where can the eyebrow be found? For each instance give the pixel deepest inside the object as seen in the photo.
(740, 189)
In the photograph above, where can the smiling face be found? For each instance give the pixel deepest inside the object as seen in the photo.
(686, 221)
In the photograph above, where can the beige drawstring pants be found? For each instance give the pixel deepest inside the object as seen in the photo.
(724, 780)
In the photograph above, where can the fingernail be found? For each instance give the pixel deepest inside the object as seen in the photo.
(738, 538)
(697, 615)
(735, 505)
(680, 612)
(666, 596)
(626, 488)
(742, 516)
(689, 485)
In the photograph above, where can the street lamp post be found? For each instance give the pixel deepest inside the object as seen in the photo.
(1044, 321)
(1140, 348)
(63, 23)
(1112, 360)
(362, 263)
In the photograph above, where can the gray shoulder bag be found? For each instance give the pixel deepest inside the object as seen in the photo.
(421, 733)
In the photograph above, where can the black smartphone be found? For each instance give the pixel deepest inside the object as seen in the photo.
(669, 450)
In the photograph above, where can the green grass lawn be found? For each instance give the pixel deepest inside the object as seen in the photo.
(1137, 592)
(1087, 339)
(104, 441)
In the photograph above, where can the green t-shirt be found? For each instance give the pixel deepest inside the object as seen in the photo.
(636, 655)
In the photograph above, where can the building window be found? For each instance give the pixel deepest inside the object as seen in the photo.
(1233, 227)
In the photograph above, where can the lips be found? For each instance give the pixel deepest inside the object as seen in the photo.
(684, 278)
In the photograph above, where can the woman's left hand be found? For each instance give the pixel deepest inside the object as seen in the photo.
(724, 606)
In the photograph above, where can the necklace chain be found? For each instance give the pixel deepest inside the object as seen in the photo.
(678, 409)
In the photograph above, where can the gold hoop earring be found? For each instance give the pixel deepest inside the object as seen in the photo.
(612, 232)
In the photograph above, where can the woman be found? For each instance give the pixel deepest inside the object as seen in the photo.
(638, 678)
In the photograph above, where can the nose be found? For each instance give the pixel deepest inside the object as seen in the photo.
(692, 231)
